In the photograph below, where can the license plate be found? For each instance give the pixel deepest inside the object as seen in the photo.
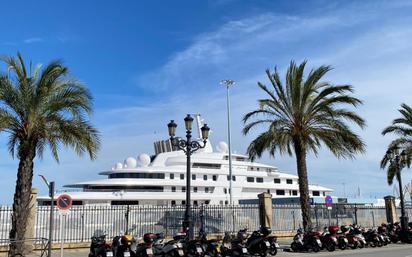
(109, 254)
(244, 250)
(198, 249)
(149, 251)
(276, 245)
(180, 252)
(267, 243)
(126, 254)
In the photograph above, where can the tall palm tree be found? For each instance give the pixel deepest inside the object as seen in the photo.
(40, 108)
(401, 127)
(300, 116)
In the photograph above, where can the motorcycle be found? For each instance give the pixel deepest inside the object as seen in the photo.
(146, 249)
(357, 233)
(99, 247)
(353, 241)
(258, 244)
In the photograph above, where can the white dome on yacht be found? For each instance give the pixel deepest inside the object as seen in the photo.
(130, 163)
(118, 166)
(222, 147)
(143, 160)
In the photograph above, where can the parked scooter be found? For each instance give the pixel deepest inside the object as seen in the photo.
(123, 246)
(258, 244)
(146, 249)
(372, 238)
(236, 247)
(332, 240)
(356, 232)
(353, 241)
(306, 241)
(172, 248)
(211, 247)
(99, 247)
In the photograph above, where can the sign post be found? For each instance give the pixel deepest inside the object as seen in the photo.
(64, 202)
(328, 203)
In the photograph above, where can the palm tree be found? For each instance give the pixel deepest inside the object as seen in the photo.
(401, 127)
(300, 116)
(395, 162)
(40, 108)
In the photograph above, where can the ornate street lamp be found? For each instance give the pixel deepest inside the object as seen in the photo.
(398, 161)
(188, 147)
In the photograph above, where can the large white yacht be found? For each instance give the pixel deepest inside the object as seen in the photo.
(161, 180)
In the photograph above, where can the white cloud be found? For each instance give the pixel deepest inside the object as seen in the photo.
(33, 40)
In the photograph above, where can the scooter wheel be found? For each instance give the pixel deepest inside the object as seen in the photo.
(316, 248)
(330, 247)
(361, 245)
(273, 251)
(294, 247)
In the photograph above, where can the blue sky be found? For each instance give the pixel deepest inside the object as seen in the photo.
(147, 62)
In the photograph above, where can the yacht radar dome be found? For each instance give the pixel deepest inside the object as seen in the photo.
(143, 160)
(118, 166)
(222, 147)
(130, 163)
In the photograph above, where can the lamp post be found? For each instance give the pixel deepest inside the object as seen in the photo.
(228, 83)
(188, 147)
(398, 162)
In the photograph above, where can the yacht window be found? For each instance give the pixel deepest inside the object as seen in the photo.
(193, 176)
(233, 178)
(257, 168)
(138, 175)
(206, 190)
(259, 180)
(207, 202)
(183, 189)
(226, 202)
(204, 177)
(182, 176)
(125, 203)
(214, 177)
(251, 168)
(277, 180)
(294, 192)
(221, 202)
(195, 203)
(225, 190)
(172, 176)
(206, 165)
(173, 189)
(316, 193)
(173, 203)
(250, 179)
(280, 192)
(195, 189)
(183, 202)
(289, 181)
(324, 193)
(241, 159)
(125, 188)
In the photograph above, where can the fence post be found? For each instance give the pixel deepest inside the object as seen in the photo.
(337, 215)
(265, 210)
(356, 215)
(316, 216)
(293, 217)
(127, 219)
(373, 218)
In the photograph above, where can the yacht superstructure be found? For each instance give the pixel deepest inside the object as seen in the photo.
(161, 180)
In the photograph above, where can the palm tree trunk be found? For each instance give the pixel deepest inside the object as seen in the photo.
(22, 199)
(303, 184)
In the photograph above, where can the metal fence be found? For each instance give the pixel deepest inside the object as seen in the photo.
(83, 221)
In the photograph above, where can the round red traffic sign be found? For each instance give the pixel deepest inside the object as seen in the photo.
(328, 200)
(64, 202)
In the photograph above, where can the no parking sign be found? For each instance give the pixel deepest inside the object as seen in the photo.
(328, 201)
